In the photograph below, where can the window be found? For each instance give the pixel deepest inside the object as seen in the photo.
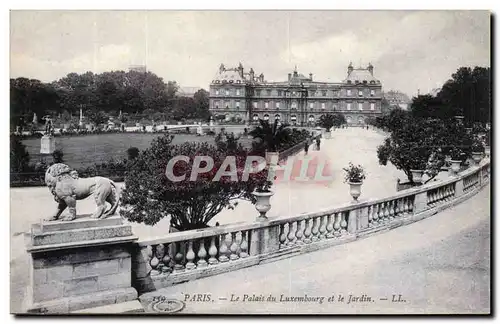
(372, 106)
(311, 105)
(348, 106)
(217, 92)
(360, 106)
(323, 105)
(277, 116)
(294, 105)
(294, 93)
(324, 93)
(311, 93)
(237, 104)
(255, 117)
(238, 81)
(237, 92)
(227, 92)
(277, 105)
(255, 104)
(334, 107)
(293, 118)
(257, 92)
(348, 92)
(216, 104)
(279, 93)
(266, 117)
(360, 93)
(226, 104)
(372, 93)
(268, 92)
(266, 104)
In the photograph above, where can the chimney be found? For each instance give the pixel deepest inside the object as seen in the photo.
(289, 76)
(311, 76)
(370, 68)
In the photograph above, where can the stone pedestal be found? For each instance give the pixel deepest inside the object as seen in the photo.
(47, 144)
(80, 264)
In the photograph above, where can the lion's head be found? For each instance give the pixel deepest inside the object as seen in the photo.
(54, 172)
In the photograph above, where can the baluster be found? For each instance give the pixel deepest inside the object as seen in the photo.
(223, 250)
(160, 253)
(430, 197)
(291, 234)
(336, 225)
(244, 245)
(166, 259)
(376, 209)
(233, 248)
(300, 232)
(315, 229)
(411, 202)
(384, 212)
(391, 209)
(212, 251)
(154, 262)
(282, 235)
(397, 207)
(190, 257)
(329, 227)
(369, 210)
(322, 227)
(343, 222)
(149, 256)
(202, 254)
(179, 258)
(307, 231)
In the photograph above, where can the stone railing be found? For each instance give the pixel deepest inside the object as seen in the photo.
(295, 149)
(184, 256)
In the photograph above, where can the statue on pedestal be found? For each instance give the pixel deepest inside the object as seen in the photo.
(67, 187)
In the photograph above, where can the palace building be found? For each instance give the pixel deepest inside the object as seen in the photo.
(300, 100)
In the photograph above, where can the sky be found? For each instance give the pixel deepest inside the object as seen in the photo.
(410, 50)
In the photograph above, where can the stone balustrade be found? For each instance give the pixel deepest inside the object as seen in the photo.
(188, 255)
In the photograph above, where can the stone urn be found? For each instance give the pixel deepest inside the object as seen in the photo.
(417, 175)
(327, 135)
(263, 204)
(455, 166)
(272, 156)
(476, 157)
(355, 189)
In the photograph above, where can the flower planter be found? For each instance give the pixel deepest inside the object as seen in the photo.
(263, 204)
(272, 158)
(455, 166)
(417, 175)
(355, 189)
(476, 157)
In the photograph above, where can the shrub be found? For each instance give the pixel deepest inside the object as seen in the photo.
(132, 153)
(354, 173)
(58, 156)
(149, 195)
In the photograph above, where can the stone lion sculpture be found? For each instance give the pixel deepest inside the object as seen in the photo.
(67, 188)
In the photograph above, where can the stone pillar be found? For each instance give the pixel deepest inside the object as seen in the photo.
(420, 202)
(459, 188)
(354, 221)
(80, 264)
(265, 240)
(47, 144)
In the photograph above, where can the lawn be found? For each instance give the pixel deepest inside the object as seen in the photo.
(82, 151)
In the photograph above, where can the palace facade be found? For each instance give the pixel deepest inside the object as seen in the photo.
(245, 96)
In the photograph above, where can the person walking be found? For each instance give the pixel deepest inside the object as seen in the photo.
(318, 142)
(306, 147)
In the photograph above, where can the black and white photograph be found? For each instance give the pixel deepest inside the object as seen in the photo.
(250, 162)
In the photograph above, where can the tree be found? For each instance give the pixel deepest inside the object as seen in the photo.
(19, 156)
(327, 121)
(201, 101)
(272, 137)
(97, 117)
(392, 121)
(427, 106)
(415, 145)
(150, 195)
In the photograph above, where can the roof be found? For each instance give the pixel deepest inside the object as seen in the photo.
(360, 75)
(229, 75)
